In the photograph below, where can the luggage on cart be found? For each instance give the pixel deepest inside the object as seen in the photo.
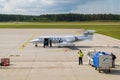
(90, 57)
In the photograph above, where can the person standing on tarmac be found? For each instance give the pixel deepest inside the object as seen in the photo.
(113, 60)
(80, 54)
(50, 43)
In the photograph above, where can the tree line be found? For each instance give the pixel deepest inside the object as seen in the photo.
(58, 17)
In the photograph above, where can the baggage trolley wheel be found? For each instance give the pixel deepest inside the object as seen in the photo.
(89, 62)
(95, 68)
(99, 70)
(92, 65)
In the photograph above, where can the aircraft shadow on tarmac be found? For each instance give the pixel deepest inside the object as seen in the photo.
(99, 47)
(78, 47)
(53, 47)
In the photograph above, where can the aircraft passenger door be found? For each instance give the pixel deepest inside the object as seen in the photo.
(46, 41)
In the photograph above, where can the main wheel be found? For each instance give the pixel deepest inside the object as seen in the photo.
(95, 68)
(109, 70)
(36, 45)
(99, 70)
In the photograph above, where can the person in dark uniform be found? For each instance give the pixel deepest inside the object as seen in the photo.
(50, 43)
(113, 60)
(45, 43)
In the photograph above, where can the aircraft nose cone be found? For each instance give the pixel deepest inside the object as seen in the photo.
(34, 40)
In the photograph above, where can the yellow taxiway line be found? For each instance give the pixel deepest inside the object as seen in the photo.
(26, 43)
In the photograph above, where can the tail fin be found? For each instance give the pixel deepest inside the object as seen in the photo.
(89, 34)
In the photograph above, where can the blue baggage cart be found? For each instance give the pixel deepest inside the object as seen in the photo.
(102, 61)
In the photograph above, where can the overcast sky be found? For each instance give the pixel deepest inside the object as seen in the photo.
(37, 7)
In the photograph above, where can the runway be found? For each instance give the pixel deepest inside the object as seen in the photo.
(35, 63)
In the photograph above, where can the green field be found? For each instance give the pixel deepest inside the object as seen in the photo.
(107, 28)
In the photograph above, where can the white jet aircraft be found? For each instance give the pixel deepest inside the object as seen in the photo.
(62, 40)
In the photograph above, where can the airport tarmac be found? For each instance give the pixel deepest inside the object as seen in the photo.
(38, 63)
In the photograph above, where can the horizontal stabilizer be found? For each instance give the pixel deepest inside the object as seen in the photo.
(89, 34)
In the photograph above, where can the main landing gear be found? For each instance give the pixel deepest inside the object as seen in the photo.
(36, 45)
